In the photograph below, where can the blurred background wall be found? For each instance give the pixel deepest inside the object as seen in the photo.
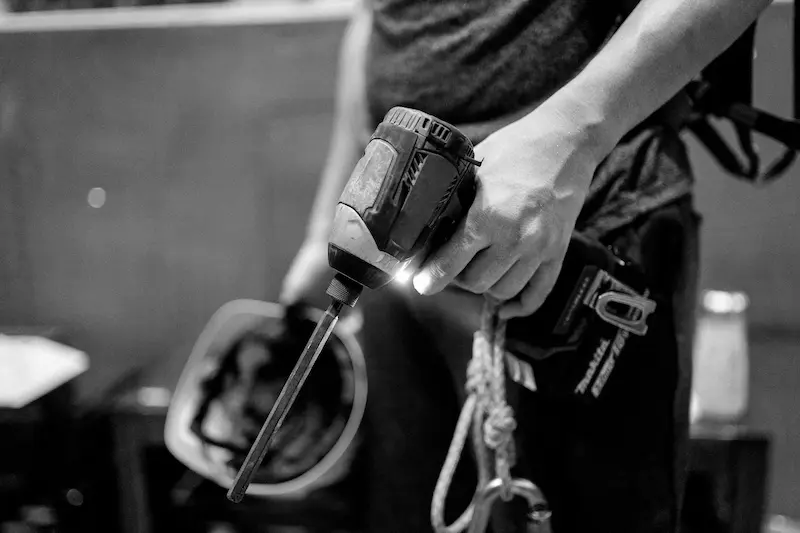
(751, 242)
(153, 168)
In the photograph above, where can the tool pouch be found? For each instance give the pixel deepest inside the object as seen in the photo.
(599, 308)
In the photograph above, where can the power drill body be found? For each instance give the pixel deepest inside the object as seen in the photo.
(413, 184)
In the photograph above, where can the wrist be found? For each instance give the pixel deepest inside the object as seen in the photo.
(589, 130)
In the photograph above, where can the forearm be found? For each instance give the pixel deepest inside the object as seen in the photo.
(661, 46)
(349, 125)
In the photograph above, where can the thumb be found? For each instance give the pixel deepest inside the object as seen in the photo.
(446, 262)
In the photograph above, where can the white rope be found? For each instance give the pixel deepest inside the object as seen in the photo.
(489, 415)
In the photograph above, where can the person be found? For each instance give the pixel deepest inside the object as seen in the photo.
(564, 100)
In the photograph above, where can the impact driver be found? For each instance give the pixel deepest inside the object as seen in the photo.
(412, 186)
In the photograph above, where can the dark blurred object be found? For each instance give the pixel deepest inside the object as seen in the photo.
(32, 449)
(158, 494)
(57, 471)
(21, 6)
(726, 490)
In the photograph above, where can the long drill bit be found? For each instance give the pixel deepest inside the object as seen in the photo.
(285, 400)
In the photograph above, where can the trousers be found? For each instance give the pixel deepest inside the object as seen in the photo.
(618, 468)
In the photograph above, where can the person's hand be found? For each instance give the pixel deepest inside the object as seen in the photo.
(531, 186)
(308, 272)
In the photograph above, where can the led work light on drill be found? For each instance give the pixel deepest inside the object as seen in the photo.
(412, 186)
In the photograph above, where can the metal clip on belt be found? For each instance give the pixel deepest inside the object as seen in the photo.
(618, 304)
(634, 320)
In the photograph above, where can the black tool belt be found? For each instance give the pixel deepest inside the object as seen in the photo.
(599, 306)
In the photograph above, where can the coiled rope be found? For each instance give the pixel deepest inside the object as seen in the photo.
(491, 419)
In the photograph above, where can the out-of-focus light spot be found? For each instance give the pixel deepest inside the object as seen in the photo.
(725, 302)
(782, 524)
(97, 197)
(154, 397)
(402, 277)
(75, 497)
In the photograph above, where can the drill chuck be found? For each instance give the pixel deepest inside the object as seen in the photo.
(344, 290)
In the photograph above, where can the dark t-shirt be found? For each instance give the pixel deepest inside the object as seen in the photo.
(469, 61)
(476, 60)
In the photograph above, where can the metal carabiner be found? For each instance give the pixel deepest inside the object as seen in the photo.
(484, 501)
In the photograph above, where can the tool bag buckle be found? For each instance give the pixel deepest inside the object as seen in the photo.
(634, 319)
